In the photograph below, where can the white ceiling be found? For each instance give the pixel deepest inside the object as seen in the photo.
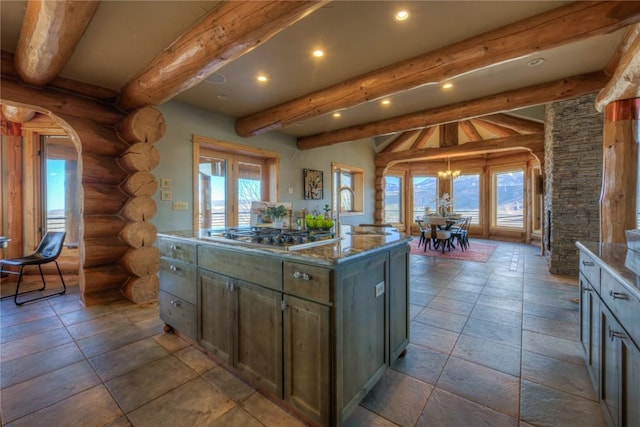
(357, 36)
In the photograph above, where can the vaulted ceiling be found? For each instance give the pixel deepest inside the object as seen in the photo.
(504, 59)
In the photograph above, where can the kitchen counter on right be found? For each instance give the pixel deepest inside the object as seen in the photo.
(610, 328)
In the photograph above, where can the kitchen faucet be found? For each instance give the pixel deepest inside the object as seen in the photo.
(338, 205)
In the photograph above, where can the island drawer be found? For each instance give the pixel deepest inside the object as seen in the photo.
(624, 305)
(177, 249)
(591, 270)
(259, 269)
(179, 314)
(307, 281)
(179, 279)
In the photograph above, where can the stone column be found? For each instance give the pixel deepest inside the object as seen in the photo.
(618, 201)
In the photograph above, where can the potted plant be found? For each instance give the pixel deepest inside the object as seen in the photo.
(276, 213)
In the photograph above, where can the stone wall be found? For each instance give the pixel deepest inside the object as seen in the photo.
(573, 173)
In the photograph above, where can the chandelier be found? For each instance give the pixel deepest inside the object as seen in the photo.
(448, 174)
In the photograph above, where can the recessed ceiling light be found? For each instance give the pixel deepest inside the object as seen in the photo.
(385, 102)
(216, 78)
(222, 97)
(318, 53)
(402, 15)
(337, 115)
(262, 78)
(535, 62)
(447, 85)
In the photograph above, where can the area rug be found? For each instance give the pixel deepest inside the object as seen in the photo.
(479, 252)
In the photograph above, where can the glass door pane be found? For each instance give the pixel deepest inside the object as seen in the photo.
(60, 188)
(212, 193)
(466, 196)
(249, 189)
(508, 199)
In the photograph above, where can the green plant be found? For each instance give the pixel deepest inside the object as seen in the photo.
(327, 208)
(275, 211)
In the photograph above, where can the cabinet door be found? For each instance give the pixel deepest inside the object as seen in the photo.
(398, 302)
(307, 347)
(590, 330)
(620, 373)
(217, 314)
(259, 335)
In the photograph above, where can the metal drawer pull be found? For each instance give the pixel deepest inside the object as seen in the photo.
(175, 247)
(616, 334)
(618, 295)
(585, 289)
(301, 276)
(173, 268)
(229, 286)
(588, 263)
(175, 303)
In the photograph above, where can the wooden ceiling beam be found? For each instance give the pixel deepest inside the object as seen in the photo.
(518, 124)
(495, 129)
(49, 35)
(470, 130)
(423, 138)
(570, 23)
(223, 35)
(625, 82)
(531, 143)
(567, 88)
(400, 141)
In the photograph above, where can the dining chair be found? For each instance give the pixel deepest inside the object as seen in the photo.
(423, 232)
(47, 251)
(462, 233)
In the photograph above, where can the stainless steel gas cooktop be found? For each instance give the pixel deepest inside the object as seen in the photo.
(276, 238)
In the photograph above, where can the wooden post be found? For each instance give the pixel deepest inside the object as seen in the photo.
(618, 201)
(13, 196)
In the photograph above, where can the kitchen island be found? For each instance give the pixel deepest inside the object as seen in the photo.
(314, 327)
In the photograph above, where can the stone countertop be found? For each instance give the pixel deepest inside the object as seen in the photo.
(349, 247)
(620, 261)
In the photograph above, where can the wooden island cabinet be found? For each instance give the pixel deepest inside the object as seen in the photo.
(316, 328)
(610, 328)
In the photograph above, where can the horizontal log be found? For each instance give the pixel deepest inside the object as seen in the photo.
(567, 88)
(102, 199)
(17, 114)
(96, 138)
(140, 183)
(102, 251)
(142, 289)
(139, 209)
(146, 124)
(98, 169)
(139, 234)
(141, 261)
(141, 156)
(100, 278)
(103, 225)
(59, 102)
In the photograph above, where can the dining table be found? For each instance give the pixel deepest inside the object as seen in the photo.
(439, 223)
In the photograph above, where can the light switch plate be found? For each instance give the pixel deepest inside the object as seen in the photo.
(180, 206)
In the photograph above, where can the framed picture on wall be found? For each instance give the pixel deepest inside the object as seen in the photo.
(312, 184)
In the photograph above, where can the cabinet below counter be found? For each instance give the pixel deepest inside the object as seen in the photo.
(315, 328)
(610, 328)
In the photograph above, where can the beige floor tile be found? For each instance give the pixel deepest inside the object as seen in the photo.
(268, 413)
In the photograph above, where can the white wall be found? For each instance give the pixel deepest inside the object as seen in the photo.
(183, 121)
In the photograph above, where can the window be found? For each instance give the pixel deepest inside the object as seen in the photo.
(466, 196)
(507, 198)
(425, 193)
(60, 187)
(393, 199)
(351, 202)
(228, 178)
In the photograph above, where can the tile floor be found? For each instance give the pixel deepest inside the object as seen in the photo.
(492, 344)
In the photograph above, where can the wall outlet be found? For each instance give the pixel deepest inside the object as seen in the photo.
(379, 289)
(180, 206)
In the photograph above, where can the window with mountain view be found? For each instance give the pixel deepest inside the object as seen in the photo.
(466, 196)
(425, 193)
(393, 200)
(507, 198)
